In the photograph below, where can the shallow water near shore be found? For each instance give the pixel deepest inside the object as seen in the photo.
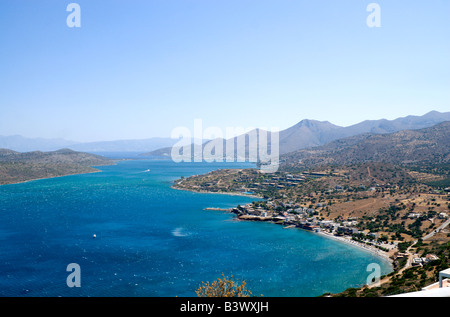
(152, 240)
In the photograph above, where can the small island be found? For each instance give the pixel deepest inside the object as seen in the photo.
(17, 167)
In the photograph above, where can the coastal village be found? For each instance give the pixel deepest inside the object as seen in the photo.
(387, 211)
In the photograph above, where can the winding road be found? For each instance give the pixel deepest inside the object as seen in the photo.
(411, 255)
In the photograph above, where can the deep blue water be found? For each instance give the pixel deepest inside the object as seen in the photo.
(152, 240)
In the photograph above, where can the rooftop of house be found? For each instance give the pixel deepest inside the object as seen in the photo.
(433, 290)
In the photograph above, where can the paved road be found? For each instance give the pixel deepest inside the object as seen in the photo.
(407, 266)
(445, 224)
(411, 255)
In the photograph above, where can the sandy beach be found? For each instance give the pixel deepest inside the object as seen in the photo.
(348, 240)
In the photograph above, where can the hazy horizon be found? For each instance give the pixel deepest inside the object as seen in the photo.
(138, 70)
(195, 140)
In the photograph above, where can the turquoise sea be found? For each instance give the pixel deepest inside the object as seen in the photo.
(152, 240)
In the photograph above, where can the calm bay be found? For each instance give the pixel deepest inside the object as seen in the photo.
(152, 240)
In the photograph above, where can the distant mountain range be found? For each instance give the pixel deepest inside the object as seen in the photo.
(305, 134)
(124, 145)
(310, 133)
(413, 140)
(23, 144)
(427, 146)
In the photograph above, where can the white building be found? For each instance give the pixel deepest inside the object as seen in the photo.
(439, 289)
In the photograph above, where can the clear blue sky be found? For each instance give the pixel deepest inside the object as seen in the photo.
(138, 69)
